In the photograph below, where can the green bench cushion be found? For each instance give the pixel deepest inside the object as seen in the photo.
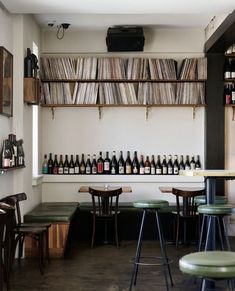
(52, 212)
(128, 206)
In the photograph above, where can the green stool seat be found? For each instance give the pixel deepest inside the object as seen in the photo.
(148, 204)
(209, 264)
(215, 209)
(202, 200)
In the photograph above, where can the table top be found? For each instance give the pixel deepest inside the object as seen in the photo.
(85, 189)
(208, 173)
(169, 189)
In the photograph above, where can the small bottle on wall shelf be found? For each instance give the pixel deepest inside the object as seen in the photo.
(94, 166)
(128, 164)
(61, 166)
(88, 165)
(100, 164)
(142, 166)
(71, 166)
(153, 166)
(147, 166)
(198, 163)
(169, 166)
(66, 165)
(55, 166)
(158, 166)
(50, 164)
(135, 164)
(121, 165)
(107, 164)
(45, 165)
(76, 165)
(176, 166)
(114, 164)
(164, 165)
(227, 69)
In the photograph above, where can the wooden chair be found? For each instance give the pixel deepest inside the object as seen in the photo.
(22, 197)
(6, 241)
(187, 212)
(105, 208)
(18, 233)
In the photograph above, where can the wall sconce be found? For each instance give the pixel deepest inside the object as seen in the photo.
(61, 29)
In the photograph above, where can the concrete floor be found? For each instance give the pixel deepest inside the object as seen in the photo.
(103, 268)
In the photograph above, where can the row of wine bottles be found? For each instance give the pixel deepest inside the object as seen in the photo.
(12, 153)
(229, 94)
(229, 69)
(114, 166)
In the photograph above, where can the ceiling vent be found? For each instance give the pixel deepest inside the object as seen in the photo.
(125, 39)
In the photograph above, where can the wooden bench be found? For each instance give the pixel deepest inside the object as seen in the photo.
(59, 214)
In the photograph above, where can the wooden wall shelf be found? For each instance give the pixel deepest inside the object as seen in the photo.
(4, 170)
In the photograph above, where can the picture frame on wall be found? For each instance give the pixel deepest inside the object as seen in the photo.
(6, 82)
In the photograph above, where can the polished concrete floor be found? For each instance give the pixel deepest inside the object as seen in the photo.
(103, 268)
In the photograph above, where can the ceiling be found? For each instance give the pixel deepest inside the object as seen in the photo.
(93, 14)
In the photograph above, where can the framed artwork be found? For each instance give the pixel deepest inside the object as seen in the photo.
(6, 82)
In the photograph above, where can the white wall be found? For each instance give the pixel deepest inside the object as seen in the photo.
(16, 34)
(6, 40)
(78, 130)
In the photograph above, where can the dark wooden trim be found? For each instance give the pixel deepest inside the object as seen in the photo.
(223, 37)
(214, 146)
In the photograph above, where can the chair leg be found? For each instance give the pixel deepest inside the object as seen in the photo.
(138, 252)
(116, 231)
(47, 245)
(177, 232)
(40, 253)
(93, 231)
(20, 247)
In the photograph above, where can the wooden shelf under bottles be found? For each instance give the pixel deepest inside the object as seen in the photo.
(230, 55)
(100, 106)
(4, 170)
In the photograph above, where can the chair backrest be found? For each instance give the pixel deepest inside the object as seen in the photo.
(187, 195)
(17, 198)
(8, 206)
(105, 202)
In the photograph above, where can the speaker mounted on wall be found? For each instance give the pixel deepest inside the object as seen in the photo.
(125, 39)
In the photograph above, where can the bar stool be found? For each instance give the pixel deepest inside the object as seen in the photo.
(147, 206)
(210, 265)
(218, 200)
(217, 212)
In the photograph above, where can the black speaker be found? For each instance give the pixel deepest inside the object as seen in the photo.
(125, 39)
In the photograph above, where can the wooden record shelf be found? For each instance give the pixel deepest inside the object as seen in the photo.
(121, 81)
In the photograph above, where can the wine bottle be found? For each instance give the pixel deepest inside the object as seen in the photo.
(181, 165)
(45, 165)
(71, 166)
(107, 163)
(121, 165)
(66, 165)
(158, 166)
(61, 166)
(176, 166)
(55, 166)
(227, 69)
(50, 164)
(233, 94)
(20, 151)
(94, 166)
(198, 163)
(192, 163)
(152, 166)
(82, 165)
(227, 94)
(135, 164)
(6, 155)
(169, 166)
(28, 64)
(12, 138)
(12, 159)
(147, 166)
(142, 166)
(187, 164)
(88, 165)
(114, 164)
(76, 165)
(100, 164)
(128, 164)
(164, 165)
(233, 69)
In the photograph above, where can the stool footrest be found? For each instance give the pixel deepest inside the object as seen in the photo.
(134, 261)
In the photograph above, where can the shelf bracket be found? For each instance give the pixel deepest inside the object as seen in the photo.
(100, 112)
(194, 111)
(147, 108)
(52, 113)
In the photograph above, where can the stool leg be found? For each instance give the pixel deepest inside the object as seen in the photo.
(208, 232)
(220, 233)
(138, 252)
(163, 252)
(201, 234)
(226, 235)
(47, 245)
